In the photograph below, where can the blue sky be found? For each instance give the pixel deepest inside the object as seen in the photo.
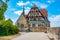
(14, 9)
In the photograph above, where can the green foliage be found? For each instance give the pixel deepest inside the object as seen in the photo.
(10, 20)
(7, 0)
(7, 28)
(16, 29)
(3, 8)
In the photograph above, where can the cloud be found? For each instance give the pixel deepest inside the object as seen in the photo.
(20, 11)
(21, 3)
(50, 1)
(4, 0)
(27, 8)
(11, 9)
(41, 5)
(55, 21)
(6, 17)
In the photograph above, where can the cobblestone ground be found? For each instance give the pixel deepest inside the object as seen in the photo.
(34, 36)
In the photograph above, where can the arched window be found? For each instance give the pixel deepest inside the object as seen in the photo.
(33, 25)
(22, 25)
(18, 24)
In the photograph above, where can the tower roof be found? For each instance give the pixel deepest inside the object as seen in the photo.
(23, 11)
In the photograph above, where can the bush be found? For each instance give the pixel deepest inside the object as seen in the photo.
(7, 28)
(16, 29)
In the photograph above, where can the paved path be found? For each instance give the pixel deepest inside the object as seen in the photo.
(22, 33)
(32, 36)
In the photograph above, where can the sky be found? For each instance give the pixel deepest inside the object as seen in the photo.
(14, 9)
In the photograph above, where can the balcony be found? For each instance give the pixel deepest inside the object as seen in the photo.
(36, 22)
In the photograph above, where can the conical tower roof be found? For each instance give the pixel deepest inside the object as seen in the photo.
(23, 11)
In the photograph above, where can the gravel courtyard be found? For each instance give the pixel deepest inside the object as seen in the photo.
(34, 36)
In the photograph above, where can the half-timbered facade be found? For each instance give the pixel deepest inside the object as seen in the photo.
(36, 20)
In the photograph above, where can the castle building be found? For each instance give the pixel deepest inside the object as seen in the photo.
(35, 21)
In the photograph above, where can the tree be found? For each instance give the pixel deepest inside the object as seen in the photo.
(6, 26)
(7, 1)
(10, 20)
(3, 8)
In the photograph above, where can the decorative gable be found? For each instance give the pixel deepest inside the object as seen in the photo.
(34, 11)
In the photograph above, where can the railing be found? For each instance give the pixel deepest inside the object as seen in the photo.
(37, 22)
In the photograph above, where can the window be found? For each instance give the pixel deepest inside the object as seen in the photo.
(22, 25)
(38, 18)
(34, 14)
(42, 18)
(29, 25)
(33, 25)
(46, 24)
(18, 24)
(36, 25)
(31, 19)
(39, 25)
(34, 19)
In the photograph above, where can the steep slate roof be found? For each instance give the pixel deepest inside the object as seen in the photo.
(23, 13)
(44, 12)
(33, 7)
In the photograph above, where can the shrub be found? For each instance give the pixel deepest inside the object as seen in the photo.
(16, 29)
(7, 28)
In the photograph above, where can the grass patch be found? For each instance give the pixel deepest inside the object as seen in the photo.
(9, 37)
